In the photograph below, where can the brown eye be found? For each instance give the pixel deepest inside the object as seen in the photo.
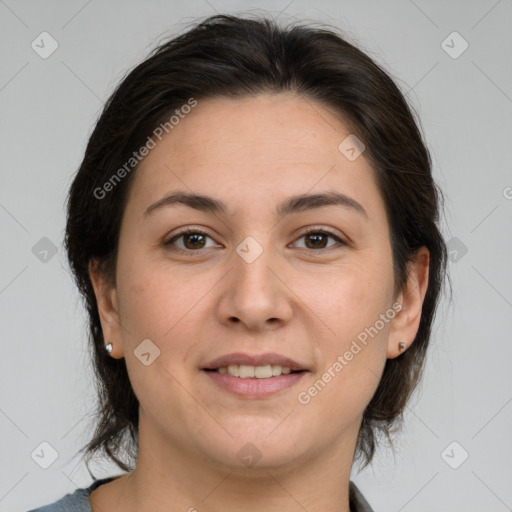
(317, 239)
(191, 241)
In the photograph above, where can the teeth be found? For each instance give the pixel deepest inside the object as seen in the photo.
(260, 372)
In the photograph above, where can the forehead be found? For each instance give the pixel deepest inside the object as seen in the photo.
(254, 148)
(284, 127)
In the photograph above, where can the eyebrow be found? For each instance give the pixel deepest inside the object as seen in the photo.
(294, 204)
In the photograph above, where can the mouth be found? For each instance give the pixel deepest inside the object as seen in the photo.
(254, 376)
(254, 387)
(244, 371)
(245, 365)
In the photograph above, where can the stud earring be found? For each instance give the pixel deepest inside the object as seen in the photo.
(109, 347)
(402, 345)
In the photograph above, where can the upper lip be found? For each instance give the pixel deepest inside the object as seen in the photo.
(254, 360)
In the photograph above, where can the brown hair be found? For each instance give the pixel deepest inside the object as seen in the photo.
(228, 56)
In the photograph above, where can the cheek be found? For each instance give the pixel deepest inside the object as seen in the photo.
(352, 354)
(165, 305)
(147, 309)
(351, 298)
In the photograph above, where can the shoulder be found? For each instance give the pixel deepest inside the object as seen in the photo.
(358, 502)
(77, 501)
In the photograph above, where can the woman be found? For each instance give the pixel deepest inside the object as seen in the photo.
(254, 228)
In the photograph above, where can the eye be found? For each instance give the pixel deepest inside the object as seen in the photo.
(192, 240)
(195, 240)
(316, 238)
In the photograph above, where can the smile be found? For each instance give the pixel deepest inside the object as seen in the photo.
(245, 371)
(254, 381)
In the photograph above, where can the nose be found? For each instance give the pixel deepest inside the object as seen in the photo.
(255, 293)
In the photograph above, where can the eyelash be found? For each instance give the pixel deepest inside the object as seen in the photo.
(189, 231)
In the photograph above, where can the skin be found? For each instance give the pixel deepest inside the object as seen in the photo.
(251, 153)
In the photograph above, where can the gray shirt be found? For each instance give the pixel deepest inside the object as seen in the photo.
(79, 500)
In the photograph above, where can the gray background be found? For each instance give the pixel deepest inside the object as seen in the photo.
(49, 107)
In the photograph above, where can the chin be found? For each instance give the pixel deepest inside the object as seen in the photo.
(266, 445)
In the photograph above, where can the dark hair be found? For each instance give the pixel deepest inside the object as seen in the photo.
(229, 56)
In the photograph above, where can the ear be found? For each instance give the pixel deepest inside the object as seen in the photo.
(406, 322)
(108, 309)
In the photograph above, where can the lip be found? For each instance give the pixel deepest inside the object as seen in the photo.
(254, 360)
(254, 387)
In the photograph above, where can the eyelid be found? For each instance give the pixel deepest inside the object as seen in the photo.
(321, 229)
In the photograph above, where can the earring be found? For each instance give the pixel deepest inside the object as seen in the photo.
(402, 345)
(109, 347)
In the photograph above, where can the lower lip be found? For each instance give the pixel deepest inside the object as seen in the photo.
(253, 387)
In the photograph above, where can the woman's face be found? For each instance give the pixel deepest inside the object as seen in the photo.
(253, 282)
